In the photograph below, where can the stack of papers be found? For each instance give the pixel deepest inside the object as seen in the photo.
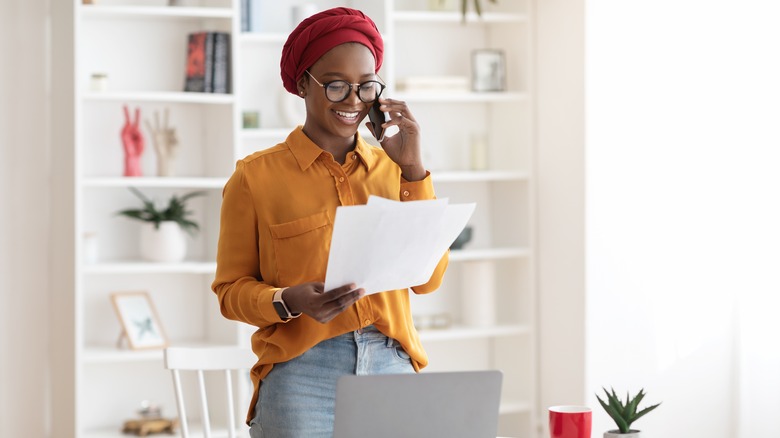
(387, 245)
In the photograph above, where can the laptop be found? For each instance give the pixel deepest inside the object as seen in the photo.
(427, 405)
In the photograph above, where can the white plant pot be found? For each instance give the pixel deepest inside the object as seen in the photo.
(167, 244)
(617, 434)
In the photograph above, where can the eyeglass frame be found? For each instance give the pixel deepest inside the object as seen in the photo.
(325, 85)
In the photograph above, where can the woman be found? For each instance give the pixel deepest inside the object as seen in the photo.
(276, 224)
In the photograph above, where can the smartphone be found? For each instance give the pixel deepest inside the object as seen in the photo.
(377, 118)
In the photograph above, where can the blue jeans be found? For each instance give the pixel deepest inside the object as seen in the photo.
(298, 397)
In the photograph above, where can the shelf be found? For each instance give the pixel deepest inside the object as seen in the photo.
(195, 429)
(461, 96)
(462, 333)
(265, 133)
(262, 38)
(465, 255)
(105, 354)
(154, 182)
(160, 96)
(478, 176)
(141, 267)
(513, 408)
(154, 11)
(455, 17)
(95, 355)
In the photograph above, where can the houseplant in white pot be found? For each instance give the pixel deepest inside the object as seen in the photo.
(624, 413)
(162, 235)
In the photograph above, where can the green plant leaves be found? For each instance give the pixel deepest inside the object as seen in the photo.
(624, 414)
(464, 6)
(176, 211)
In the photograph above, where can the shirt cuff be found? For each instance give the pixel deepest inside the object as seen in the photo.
(417, 190)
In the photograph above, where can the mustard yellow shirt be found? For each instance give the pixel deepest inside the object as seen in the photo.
(277, 218)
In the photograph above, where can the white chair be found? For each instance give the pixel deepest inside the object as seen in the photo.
(198, 360)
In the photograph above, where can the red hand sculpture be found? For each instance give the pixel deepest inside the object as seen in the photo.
(133, 143)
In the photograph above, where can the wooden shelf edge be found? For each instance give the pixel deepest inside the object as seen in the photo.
(160, 96)
(459, 333)
(154, 11)
(155, 182)
(107, 354)
(455, 17)
(461, 96)
(455, 176)
(465, 255)
(142, 267)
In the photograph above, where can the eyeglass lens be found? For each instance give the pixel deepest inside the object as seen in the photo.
(368, 91)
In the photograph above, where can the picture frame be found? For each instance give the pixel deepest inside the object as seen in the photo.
(250, 119)
(488, 70)
(140, 323)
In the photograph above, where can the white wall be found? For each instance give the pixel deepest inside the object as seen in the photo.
(561, 209)
(24, 220)
(683, 185)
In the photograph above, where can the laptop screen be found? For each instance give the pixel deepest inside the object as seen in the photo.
(452, 404)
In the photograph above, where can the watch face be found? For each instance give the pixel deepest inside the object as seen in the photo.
(279, 307)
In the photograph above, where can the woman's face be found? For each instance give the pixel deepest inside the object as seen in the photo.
(351, 62)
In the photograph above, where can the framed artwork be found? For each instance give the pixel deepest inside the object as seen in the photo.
(140, 323)
(250, 119)
(488, 70)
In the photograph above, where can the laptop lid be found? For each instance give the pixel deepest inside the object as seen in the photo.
(452, 404)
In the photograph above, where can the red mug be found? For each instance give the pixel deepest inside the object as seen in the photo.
(570, 422)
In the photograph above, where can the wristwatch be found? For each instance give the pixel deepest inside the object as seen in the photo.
(281, 307)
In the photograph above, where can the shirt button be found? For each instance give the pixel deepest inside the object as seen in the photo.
(341, 179)
(367, 322)
(406, 192)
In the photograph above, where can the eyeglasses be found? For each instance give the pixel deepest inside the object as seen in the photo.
(337, 91)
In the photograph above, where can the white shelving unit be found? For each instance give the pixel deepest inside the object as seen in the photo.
(503, 243)
(142, 49)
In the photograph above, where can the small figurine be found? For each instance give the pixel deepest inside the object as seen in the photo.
(165, 143)
(133, 143)
(147, 426)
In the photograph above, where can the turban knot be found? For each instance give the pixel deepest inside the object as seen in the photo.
(321, 32)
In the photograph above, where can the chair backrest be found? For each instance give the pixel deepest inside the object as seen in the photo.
(198, 360)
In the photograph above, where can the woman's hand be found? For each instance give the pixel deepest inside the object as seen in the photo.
(311, 299)
(403, 147)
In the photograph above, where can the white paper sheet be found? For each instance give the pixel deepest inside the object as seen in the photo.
(386, 245)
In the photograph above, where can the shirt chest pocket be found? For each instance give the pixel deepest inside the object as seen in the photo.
(301, 247)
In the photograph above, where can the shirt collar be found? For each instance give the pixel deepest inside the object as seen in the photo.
(363, 151)
(306, 151)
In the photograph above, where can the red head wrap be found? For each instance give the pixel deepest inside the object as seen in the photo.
(321, 32)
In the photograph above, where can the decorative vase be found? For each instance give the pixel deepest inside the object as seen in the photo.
(167, 244)
(616, 434)
(478, 294)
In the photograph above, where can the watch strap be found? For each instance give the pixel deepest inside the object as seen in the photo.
(279, 303)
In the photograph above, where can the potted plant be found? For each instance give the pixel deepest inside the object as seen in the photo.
(162, 236)
(624, 413)
(477, 6)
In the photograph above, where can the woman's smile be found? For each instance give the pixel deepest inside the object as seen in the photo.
(348, 117)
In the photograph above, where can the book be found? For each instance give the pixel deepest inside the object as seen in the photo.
(221, 74)
(255, 15)
(200, 62)
(246, 10)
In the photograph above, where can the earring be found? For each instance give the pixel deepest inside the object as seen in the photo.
(301, 93)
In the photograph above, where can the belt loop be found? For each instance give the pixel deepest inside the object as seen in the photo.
(390, 342)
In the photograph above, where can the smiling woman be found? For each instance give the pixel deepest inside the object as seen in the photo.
(277, 218)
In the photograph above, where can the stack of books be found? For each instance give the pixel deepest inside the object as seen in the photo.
(208, 62)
